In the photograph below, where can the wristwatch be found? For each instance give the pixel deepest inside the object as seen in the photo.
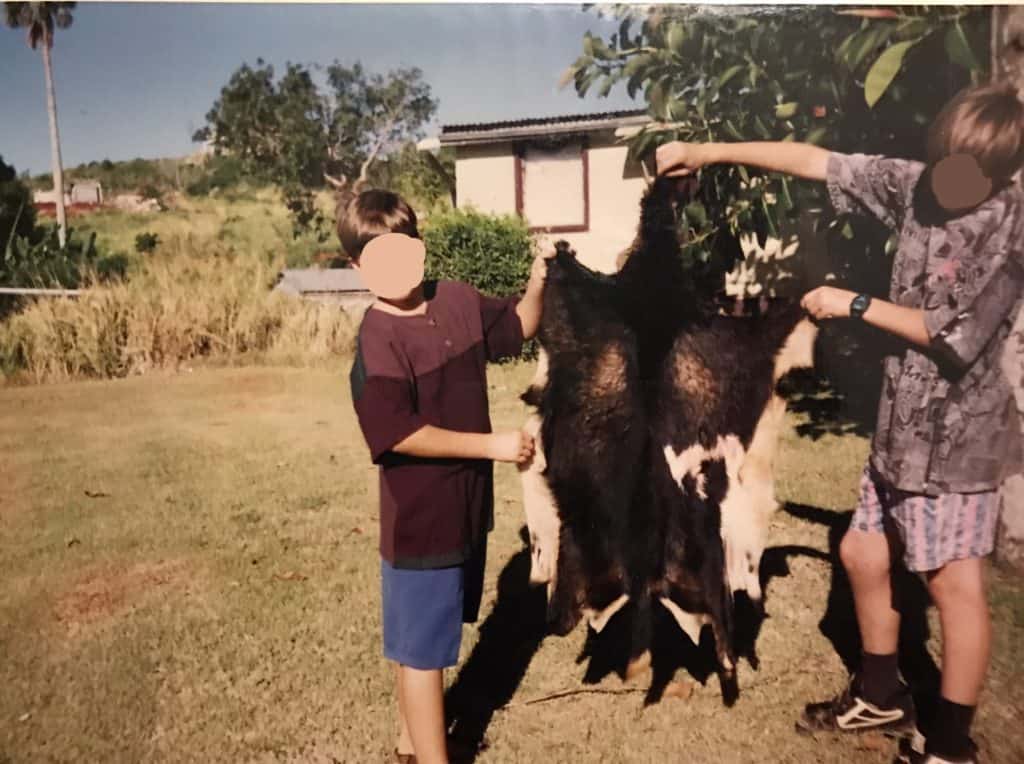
(859, 305)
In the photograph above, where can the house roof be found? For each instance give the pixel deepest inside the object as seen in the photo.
(319, 281)
(491, 132)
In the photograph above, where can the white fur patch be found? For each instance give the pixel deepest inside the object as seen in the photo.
(690, 623)
(542, 519)
(598, 620)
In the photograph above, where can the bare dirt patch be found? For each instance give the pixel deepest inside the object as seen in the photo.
(111, 590)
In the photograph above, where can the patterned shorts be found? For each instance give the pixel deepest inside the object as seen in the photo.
(932, 530)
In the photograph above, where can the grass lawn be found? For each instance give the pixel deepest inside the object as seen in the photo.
(189, 572)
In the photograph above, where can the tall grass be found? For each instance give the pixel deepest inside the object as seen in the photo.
(196, 300)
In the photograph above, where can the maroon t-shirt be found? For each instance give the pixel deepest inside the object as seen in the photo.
(411, 371)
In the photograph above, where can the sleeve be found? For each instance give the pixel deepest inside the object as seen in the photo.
(863, 184)
(383, 394)
(503, 330)
(962, 316)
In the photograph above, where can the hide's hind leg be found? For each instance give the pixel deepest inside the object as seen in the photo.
(541, 512)
(565, 601)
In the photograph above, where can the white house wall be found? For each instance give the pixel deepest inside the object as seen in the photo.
(485, 178)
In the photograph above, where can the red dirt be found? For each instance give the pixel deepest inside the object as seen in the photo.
(106, 592)
(49, 209)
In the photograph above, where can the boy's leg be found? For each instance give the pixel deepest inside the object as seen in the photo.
(958, 590)
(866, 559)
(404, 745)
(877, 697)
(422, 695)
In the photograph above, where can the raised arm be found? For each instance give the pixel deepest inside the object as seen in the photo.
(804, 160)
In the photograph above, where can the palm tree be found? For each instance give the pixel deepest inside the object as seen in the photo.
(40, 20)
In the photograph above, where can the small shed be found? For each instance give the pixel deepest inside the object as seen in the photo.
(87, 192)
(331, 285)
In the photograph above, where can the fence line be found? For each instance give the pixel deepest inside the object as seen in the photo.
(29, 292)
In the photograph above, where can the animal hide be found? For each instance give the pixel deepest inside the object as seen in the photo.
(657, 426)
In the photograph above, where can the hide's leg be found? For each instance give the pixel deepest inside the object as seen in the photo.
(565, 603)
(541, 512)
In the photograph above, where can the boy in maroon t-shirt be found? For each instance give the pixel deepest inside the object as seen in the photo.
(419, 388)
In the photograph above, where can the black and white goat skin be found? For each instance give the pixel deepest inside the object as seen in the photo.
(656, 430)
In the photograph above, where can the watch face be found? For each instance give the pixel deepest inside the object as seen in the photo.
(859, 305)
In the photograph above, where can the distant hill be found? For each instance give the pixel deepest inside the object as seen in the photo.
(200, 171)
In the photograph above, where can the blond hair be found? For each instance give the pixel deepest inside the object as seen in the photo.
(986, 122)
(370, 214)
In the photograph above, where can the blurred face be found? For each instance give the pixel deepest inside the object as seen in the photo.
(391, 265)
(959, 184)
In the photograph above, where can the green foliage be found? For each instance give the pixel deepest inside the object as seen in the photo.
(219, 173)
(39, 19)
(491, 253)
(287, 132)
(146, 242)
(422, 179)
(40, 261)
(796, 73)
(17, 215)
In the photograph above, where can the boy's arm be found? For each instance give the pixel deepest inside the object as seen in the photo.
(803, 160)
(436, 443)
(531, 305)
(907, 323)
(857, 183)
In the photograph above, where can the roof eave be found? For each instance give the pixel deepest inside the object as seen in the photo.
(503, 135)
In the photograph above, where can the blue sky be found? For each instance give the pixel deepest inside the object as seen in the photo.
(137, 79)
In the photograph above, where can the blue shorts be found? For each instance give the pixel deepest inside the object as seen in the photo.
(423, 611)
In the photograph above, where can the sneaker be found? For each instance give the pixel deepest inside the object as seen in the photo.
(912, 752)
(850, 712)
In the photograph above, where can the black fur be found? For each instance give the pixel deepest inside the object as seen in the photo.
(634, 365)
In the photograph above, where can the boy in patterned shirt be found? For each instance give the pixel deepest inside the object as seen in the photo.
(948, 432)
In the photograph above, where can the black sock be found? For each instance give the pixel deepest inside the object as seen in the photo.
(950, 733)
(879, 678)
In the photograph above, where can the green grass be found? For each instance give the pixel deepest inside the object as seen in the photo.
(252, 221)
(188, 572)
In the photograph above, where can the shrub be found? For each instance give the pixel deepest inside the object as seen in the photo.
(17, 215)
(40, 261)
(146, 242)
(219, 173)
(196, 304)
(491, 253)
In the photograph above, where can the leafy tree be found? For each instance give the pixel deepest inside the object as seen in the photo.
(289, 133)
(808, 74)
(40, 19)
(423, 179)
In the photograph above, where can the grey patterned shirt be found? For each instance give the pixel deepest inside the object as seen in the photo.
(946, 423)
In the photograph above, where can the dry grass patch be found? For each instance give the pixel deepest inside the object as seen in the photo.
(109, 591)
(224, 597)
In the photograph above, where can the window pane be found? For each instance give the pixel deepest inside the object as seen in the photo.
(553, 186)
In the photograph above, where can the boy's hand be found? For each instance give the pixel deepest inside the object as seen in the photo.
(512, 446)
(539, 269)
(828, 302)
(677, 159)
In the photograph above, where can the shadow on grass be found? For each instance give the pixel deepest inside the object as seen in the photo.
(911, 599)
(827, 411)
(509, 638)
(514, 630)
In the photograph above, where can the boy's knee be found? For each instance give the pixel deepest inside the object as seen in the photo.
(959, 583)
(864, 554)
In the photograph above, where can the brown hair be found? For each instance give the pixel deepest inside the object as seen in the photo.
(986, 122)
(370, 214)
